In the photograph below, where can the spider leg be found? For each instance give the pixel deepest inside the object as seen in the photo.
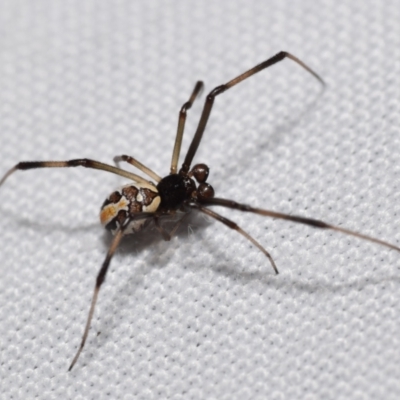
(99, 280)
(82, 162)
(220, 89)
(181, 125)
(236, 227)
(137, 164)
(167, 236)
(301, 220)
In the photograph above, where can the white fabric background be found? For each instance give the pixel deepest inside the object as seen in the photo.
(202, 316)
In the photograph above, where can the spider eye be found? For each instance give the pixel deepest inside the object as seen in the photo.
(200, 172)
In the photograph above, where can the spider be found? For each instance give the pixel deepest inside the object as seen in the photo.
(130, 208)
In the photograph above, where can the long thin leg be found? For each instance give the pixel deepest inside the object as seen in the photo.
(237, 228)
(181, 126)
(167, 236)
(307, 221)
(82, 162)
(99, 280)
(221, 89)
(137, 164)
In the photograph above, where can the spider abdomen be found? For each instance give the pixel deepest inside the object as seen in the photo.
(128, 202)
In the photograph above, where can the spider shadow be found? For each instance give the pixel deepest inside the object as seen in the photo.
(288, 125)
(47, 226)
(149, 238)
(270, 280)
(270, 141)
(118, 305)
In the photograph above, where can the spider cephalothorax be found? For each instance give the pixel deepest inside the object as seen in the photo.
(177, 189)
(130, 208)
(174, 190)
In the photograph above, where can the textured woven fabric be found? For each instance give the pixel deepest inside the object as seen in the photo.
(202, 316)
